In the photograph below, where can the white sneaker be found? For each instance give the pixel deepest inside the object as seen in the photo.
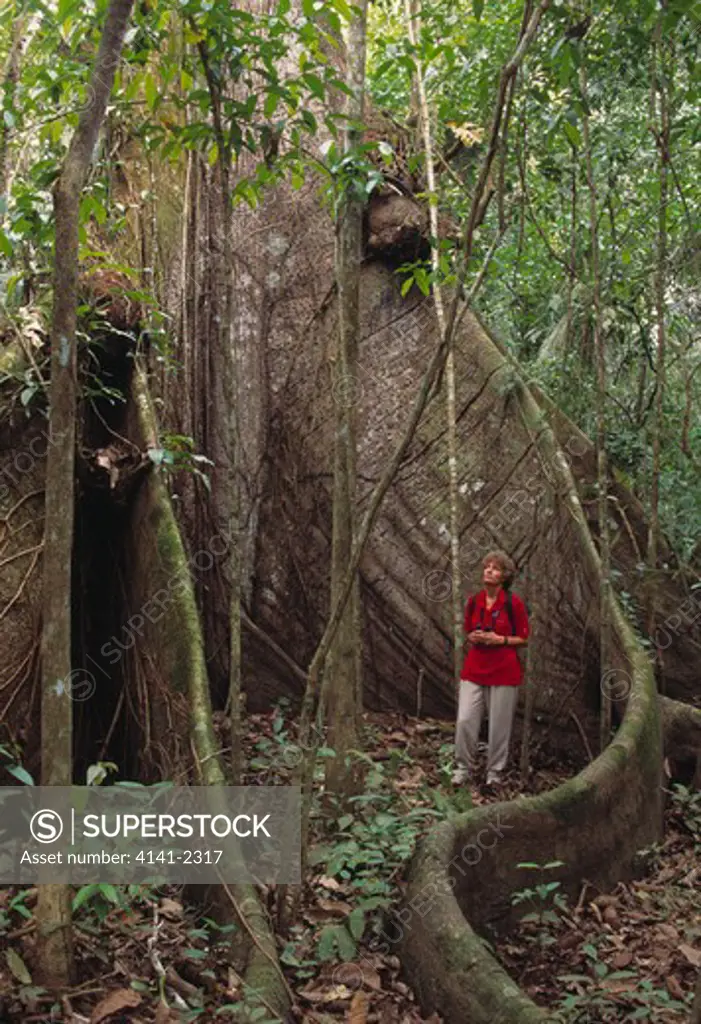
(495, 780)
(460, 775)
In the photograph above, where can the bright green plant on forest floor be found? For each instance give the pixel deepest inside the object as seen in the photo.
(546, 901)
(361, 847)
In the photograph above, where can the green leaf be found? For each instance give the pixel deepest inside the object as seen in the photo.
(156, 455)
(5, 245)
(327, 942)
(84, 894)
(96, 774)
(17, 966)
(271, 101)
(21, 774)
(314, 84)
(572, 133)
(150, 91)
(346, 945)
(356, 923)
(477, 8)
(196, 954)
(64, 9)
(109, 892)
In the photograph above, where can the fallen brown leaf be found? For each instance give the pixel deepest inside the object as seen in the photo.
(356, 975)
(674, 988)
(358, 1010)
(330, 883)
(115, 1002)
(313, 993)
(337, 908)
(171, 909)
(622, 959)
(690, 954)
(164, 1015)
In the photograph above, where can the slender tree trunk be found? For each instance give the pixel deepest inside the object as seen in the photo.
(414, 30)
(535, 652)
(342, 692)
(572, 272)
(53, 914)
(225, 355)
(602, 467)
(689, 374)
(660, 126)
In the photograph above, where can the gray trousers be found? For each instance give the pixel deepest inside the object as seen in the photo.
(500, 704)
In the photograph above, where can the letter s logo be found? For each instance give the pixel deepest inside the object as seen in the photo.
(46, 826)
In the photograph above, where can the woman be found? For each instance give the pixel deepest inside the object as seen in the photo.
(496, 624)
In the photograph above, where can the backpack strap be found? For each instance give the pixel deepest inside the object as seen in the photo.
(510, 612)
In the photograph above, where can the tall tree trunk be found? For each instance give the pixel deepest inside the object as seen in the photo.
(225, 356)
(602, 467)
(660, 126)
(414, 29)
(342, 695)
(572, 271)
(53, 906)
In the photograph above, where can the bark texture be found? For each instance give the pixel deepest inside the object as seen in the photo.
(53, 904)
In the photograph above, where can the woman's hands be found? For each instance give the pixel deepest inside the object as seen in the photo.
(479, 636)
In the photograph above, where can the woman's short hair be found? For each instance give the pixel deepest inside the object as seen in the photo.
(506, 564)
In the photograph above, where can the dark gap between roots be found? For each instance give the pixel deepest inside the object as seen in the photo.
(103, 731)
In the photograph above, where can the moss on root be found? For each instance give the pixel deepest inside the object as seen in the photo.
(182, 644)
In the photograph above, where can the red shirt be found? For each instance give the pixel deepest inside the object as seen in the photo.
(498, 665)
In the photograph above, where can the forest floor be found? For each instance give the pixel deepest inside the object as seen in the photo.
(632, 954)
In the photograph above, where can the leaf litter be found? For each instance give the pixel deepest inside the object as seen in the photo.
(632, 954)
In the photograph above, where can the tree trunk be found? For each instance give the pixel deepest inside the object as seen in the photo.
(224, 354)
(342, 689)
(414, 29)
(602, 466)
(53, 904)
(658, 88)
